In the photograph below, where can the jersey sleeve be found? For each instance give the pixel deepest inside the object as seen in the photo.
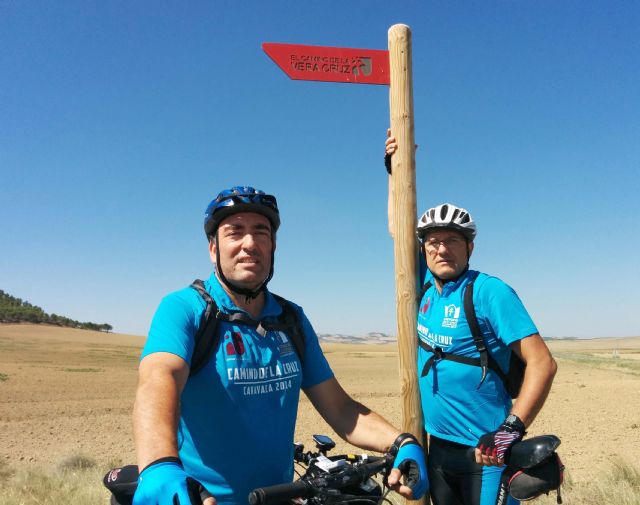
(504, 311)
(315, 368)
(173, 326)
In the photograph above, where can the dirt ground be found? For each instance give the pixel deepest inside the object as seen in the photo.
(68, 392)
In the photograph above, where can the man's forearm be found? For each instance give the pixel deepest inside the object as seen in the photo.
(371, 431)
(390, 207)
(155, 418)
(535, 388)
(351, 420)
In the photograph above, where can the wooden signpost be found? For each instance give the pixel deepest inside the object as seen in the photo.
(403, 225)
(392, 67)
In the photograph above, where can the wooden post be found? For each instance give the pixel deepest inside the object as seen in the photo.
(403, 225)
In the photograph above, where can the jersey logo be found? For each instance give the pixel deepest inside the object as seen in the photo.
(425, 307)
(451, 316)
(284, 344)
(234, 344)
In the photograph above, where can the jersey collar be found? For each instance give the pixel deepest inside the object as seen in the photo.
(225, 303)
(452, 286)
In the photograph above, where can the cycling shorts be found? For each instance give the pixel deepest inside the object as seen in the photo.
(456, 479)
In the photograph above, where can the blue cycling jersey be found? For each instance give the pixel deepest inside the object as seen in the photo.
(237, 415)
(454, 404)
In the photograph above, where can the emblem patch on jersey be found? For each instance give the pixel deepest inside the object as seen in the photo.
(284, 344)
(451, 315)
(234, 345)
(425, 307)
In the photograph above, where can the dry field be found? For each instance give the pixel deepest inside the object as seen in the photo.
(69, 392)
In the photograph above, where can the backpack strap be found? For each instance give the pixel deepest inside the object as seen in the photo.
(424, 289)
(486, 360)
(289, 322)
(429, 362)
(439, 354)
(207, 337)
(472, 320)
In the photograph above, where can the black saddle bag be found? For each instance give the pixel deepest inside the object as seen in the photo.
(534, 468)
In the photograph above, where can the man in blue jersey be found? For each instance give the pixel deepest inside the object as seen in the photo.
(465, 406)
(229, 428)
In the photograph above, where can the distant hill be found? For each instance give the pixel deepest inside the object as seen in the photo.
(383, 338)
(369, 338)
(15, 310)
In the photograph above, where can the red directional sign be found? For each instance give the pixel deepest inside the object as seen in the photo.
(333, 64)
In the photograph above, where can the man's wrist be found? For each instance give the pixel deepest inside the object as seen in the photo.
(402, 439)
(514, 423)
(166, 459)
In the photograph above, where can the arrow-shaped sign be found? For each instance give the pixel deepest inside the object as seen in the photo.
(333, 64)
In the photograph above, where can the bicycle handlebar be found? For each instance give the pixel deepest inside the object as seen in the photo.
(346, 476)
(279, 493)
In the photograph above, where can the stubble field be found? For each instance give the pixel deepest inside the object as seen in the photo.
(67, 393)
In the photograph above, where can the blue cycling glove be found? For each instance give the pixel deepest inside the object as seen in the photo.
(164, 482)
(411, 461)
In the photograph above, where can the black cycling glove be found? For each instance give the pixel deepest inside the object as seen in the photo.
(498, 443)
(387, 163)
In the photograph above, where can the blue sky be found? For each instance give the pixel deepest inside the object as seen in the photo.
(120, 121)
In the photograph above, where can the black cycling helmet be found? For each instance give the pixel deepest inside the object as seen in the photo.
(240, 199)
(233, 201)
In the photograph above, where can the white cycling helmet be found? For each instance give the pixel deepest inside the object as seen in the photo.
(449, 217)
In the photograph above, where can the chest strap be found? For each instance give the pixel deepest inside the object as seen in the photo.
(439, 354)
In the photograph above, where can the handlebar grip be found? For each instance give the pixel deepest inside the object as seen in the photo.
(370, 469)
(279, 493)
